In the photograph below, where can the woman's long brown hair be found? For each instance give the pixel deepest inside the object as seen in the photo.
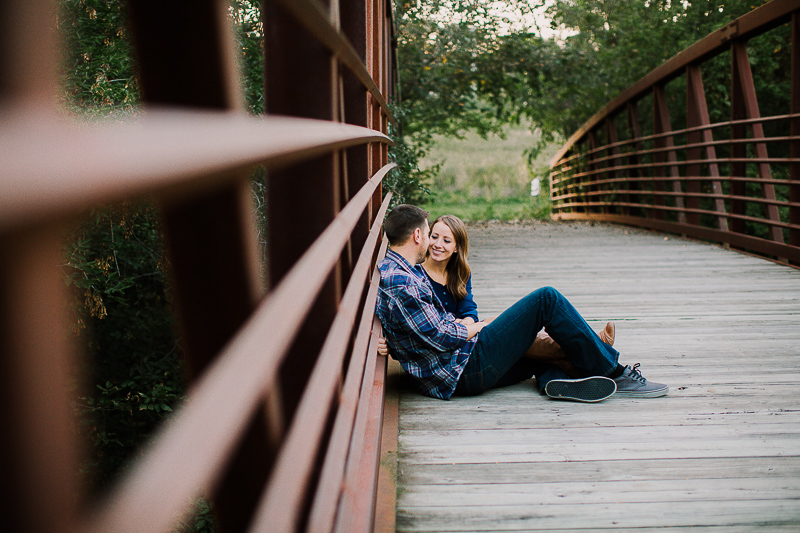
(457, 268)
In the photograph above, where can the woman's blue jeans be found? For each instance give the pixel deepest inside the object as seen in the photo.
(498, 358)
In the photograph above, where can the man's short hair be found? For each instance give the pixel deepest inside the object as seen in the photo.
(401, 222)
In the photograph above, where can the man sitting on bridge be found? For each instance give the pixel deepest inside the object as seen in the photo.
(446, 357)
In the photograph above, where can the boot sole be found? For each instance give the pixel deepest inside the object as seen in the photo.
(589, 390)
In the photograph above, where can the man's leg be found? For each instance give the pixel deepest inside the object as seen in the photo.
(497, 358)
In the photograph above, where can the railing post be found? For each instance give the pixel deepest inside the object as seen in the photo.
(697, 115)
(738, 151)
(592, 175)
(39, 452)
(661, 125)
(750, 100)
(185, 58)
(291, 53)
(612, 137)
(356, 103)
(635, 128)
(794, 172)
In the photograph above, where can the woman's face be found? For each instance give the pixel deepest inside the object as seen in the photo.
(442, 243)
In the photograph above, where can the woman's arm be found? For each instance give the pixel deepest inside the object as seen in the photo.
(467, 308)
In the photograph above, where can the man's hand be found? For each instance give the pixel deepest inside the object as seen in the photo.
(466, 321)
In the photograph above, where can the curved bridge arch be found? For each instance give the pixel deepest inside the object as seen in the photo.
(696, 178)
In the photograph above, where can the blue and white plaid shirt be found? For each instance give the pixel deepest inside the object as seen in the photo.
(421, 335)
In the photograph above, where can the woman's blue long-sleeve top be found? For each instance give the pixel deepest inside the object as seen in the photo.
(459, 308)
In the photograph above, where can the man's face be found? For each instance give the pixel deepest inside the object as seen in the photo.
(422, 251)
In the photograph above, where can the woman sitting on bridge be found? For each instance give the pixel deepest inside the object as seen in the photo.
(448, 274)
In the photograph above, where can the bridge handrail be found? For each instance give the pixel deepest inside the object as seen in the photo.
(648, 179)
(282, 424)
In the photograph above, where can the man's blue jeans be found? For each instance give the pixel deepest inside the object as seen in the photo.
(498, 358)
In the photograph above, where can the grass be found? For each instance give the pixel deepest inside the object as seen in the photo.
(488, 179)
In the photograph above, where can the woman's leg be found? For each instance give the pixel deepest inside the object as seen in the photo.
(546, 350)
(501, 345)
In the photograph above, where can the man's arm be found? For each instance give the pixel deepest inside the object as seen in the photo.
(421, 319)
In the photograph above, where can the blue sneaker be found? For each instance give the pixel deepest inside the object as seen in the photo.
(632, 384)
(591, 389)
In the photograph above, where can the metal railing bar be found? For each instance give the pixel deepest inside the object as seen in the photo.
(314, 18)
(670, 179)
(357, 507)
(765, 221)
(687, 162)
(758, 21)
(713, 196)
(693, 129)
(361, 366)
(739, 240)
(91, 165)
(279, 507)
(181, 456)
(680, 147)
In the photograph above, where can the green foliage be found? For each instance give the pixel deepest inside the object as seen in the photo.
(408, 182)
(614, 43)
(482, 179)
(97, 61)
(464, 67)
(246, 16)
(116, 266)
(453, 77)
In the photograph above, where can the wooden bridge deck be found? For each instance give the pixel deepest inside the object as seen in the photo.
(721, 451)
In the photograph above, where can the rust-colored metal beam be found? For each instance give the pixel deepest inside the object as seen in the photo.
(280, 508)
(39, 453)
(187, 459)
(697, 115)
(39, 457)
(794, 147)
(744, 77)
(662, 125)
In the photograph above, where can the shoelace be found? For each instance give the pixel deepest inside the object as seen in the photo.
(635, 374)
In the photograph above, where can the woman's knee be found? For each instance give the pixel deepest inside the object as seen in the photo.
(547, 292)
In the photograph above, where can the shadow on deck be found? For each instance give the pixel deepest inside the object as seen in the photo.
(721, 451)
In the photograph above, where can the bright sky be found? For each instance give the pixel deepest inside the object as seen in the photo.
(534, 19)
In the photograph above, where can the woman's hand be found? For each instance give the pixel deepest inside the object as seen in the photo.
(466, 321)
(383, 347)
(474, 329)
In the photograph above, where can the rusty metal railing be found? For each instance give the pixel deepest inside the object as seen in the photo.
(282, 424)
(696, 178)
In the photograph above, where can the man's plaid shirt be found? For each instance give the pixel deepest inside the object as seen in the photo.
(421, 335)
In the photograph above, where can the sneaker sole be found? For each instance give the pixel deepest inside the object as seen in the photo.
(643, 394)
(590, 390)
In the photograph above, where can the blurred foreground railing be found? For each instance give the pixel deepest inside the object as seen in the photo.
(735, 181)
(281, 427)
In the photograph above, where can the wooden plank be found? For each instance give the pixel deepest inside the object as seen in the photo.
(722, 450)
(646, 491)
(606, 471)
(602, 516)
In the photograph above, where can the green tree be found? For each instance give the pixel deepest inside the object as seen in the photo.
(464, 67)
